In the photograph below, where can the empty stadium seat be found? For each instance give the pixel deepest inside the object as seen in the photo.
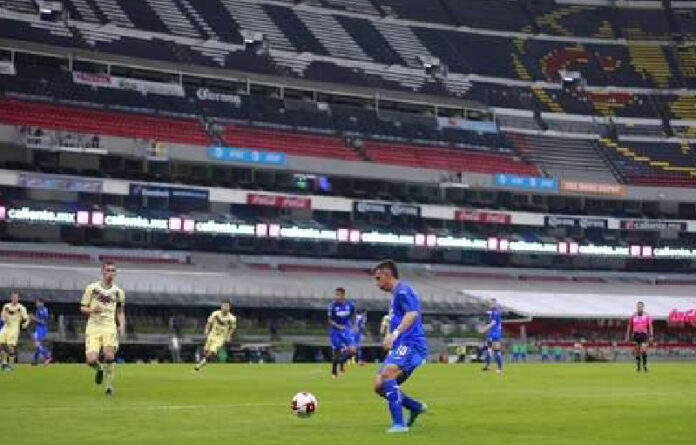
(93, 121)
(446, 159)
(291, 143)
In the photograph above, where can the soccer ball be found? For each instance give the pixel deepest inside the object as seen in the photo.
(304, 404)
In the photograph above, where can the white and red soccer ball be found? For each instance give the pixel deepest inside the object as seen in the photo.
(304, 404)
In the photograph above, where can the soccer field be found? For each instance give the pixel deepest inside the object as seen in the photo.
(249, 404)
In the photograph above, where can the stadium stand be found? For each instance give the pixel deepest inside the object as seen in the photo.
(101, 122)
(570, 158)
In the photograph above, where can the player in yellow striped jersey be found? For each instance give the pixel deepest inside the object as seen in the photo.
(218, 330)
(14, 315)
(103, 303)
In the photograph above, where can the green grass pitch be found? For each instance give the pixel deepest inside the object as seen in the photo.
(249, 404)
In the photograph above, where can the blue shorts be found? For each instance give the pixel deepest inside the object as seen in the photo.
(406, 357)
(40, 334)
(493, 337)
(341, 339)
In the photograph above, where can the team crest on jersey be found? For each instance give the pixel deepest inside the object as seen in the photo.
(103, 297)
(10, 311)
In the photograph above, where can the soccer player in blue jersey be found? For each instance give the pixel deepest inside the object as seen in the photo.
(40, 318)
(406, 345)
(494, 333)
(358, 331)
(341, 314)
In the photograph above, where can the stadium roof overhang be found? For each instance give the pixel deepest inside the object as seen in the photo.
(583, 305)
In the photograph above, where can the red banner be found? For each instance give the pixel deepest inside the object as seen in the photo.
(287, 202)
(482, 216)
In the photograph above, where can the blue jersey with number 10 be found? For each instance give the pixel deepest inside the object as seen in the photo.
(404, 300)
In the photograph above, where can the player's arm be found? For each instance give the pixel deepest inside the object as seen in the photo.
(650, 329)
(406, 322)
(488, 327)
(85, 303)
(25, 319)
(121, 318)
(208, 325)
(334, 324)
(628, 329)
(384, 327)
(233, 328)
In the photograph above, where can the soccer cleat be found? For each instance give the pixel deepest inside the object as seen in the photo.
(645, 369)
(485, 368)
(99, 376)
(499, 371)
(398, 429)
(48, 361)
(109, 392)
(413, 415)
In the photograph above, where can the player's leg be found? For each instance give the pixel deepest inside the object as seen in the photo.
(346, 354)
(212, 345)
(347, 347)
(486, 356)
(335, 359)
(336, 346)
(48, 356)
(637, 354)
(644, 355)
(37, 350)
(109, 352)
(39, 339)
(498, 355)
(397, 368)
(209, 355)
(387, 386)
(93, 345)
(11, 355)
(3, 352)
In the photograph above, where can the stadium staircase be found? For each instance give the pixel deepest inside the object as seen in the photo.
(252, 17)
(686, 62)
(113, 12)
(684, 107)
(650, 62)
(562, 157)
(173, 18)
(26, 6)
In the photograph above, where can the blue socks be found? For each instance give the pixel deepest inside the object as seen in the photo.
(39, 351)
(393, 396)
(498, 359)
(411, 404)
(487, 357)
